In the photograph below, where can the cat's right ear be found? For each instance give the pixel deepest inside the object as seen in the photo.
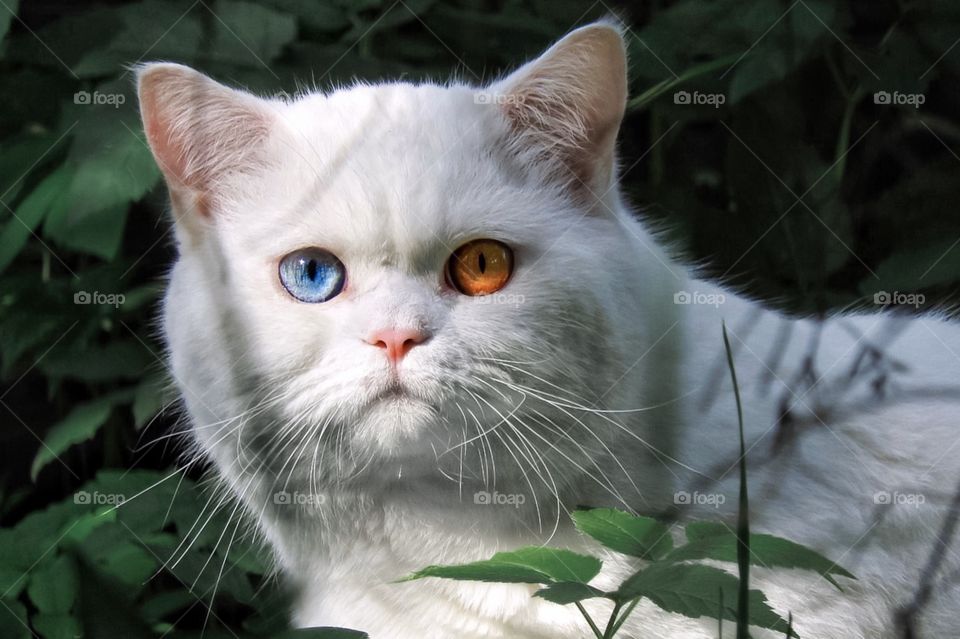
(200, 132)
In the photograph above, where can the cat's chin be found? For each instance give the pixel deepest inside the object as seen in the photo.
(395, 424)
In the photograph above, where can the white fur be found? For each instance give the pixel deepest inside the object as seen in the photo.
(287, 397)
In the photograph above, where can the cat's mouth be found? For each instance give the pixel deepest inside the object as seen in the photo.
(394, 390)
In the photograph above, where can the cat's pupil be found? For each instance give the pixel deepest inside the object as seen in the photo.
(312, 270)
(483, 263)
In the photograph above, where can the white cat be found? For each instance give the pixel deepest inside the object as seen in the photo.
(393, 300)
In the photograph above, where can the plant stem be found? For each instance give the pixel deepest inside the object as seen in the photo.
(612, 622)
(623, 617)
(593, 626)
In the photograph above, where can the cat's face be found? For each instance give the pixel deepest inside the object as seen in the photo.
(396, 272)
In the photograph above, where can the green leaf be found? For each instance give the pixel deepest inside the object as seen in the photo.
(112, 168)
(30, 213)
(99, 232)
(166, 603)
(7, 16)
(148, 401)
(23, 155)
(175, 36)
(779, 53)
(57, 626)
(13, 620)
(533, 564)
(12, 582)
(935, 263)
(249, 34)
(81, 424)
(568, 592)
(54, 585)
(716, 541)
(118, 359)
(694, 591)
(318, 17)
(629, 534)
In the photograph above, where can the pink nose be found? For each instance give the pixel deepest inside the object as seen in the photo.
(397, 342)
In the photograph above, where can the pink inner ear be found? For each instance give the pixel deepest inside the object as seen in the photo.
(199, 132)
(169, 155)
(570, 103)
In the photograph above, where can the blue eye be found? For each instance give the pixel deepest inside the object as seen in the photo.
(312, 275)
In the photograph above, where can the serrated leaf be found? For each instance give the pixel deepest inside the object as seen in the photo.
(30, 213)
(694, 591)
(568, 592)
(112, 167)
(175, 36)
(790, 41)
(533, 564)
(249, 34)
(148, 401)
(54, 585)
(629, 534)
(13, 621)
(708, 540)
(119, 359)
(12, 582)
(934, 264)
(81, 424)
(319, 17)
(7, 16)
(57, 626)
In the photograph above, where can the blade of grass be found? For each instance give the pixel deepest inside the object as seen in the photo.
(669, 84)
(720, 615)
(743, 516)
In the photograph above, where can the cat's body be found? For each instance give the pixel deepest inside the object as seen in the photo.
(581, 382)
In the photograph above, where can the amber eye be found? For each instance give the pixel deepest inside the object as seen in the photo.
(480, 267)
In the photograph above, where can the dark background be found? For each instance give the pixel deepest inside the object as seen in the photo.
(803, 188)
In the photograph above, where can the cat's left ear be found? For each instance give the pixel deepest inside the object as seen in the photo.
(568, 104)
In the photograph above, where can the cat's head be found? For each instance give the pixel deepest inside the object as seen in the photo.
(385, 275)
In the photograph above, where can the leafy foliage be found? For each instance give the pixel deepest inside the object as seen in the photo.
(668, 579)
(798, 186)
